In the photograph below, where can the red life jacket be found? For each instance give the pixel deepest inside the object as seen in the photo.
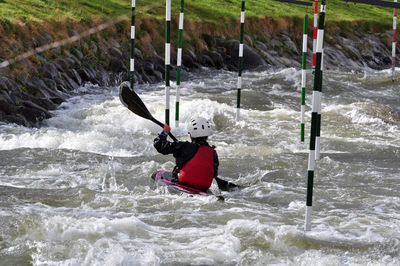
(199, 171)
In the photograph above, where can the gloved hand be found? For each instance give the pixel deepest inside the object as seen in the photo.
(166, 129)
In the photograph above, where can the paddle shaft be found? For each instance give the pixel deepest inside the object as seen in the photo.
(162, 125)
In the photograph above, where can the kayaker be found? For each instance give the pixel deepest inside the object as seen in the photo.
(196, 161)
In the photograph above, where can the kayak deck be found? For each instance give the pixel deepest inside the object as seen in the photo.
(165, 178)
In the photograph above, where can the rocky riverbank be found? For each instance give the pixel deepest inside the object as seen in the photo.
(32, 87)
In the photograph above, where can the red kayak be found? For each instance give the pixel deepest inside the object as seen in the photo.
(165, 178)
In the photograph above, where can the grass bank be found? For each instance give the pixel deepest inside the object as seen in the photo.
(209, 11)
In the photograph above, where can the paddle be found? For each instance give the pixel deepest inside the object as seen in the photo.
(133, 102)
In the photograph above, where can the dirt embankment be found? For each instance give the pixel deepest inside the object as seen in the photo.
(32, 86)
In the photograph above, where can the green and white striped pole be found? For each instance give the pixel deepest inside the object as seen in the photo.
(314, 114)
(303, 78)
(167, 57)
(240, 64)
(179, 63)
(132, 61)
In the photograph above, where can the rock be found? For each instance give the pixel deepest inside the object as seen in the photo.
(49, 70)
(78, 54)
(158, 60)
(159, 67)
(102, 76)
(209, 40)
(72, 73)
(270, 59)
(74, 61)
(205, 60)
(22, 78)
(103, 53)
(261, 46)
(8, 84)
(138, 54)
(64, 64)
(56, 96)
(275, 44)
(38, 86)
(16, 119)
(44, 38)
(6, 106)
(248, 40)
(87, 73)
(217, 59)
(71, 62)
(148, 79)
(221, 50)
(284, 61)
(51, 84)
(33, 115)
(62, 88)
(148, 66)
(158, 75)
(22, 96)
(9, 97)
(46, 104)
(116, 65)
(384, 112)
(138, 78)
(33, 105)
(60, 85)
(189, 59)
(251, 59)
(70, 83)
(115, 44)
(172, 73)
(115, 52)
(290, 44)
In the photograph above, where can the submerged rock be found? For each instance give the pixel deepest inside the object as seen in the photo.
(384, 112)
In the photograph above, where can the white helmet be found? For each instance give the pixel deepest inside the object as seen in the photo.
(199, 127)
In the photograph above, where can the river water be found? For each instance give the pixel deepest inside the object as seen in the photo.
(78, 190)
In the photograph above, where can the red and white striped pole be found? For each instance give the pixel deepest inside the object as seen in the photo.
(319, 111)
(394, 41)
(315, 31)
(132, 61)
(167, 57)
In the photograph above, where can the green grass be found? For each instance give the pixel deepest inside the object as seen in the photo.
(212, 11)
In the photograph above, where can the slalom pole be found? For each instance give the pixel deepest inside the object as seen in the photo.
(394, 41)
(167, 56)
(179, 63)
(132, 61)
(315, 104)
(303, 78)
(318, 126)
(315, 31)
(240, 64)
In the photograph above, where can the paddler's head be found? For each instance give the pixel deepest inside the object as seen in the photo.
(199, 128)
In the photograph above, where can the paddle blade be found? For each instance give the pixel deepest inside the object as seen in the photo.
(133, 102)
(225, 185)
